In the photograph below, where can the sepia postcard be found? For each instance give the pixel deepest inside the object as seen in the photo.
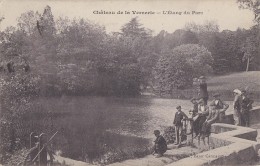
(129, 82)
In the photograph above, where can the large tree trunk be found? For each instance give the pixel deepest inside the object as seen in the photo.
(247, 65)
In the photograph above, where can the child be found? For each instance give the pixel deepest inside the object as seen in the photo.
(195, 106)
(211, 118)
(199, 119)
(160, 146)
(194, 111)
(179, 116)
(221, 106)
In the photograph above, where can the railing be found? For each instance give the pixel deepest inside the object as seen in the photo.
(188, 127)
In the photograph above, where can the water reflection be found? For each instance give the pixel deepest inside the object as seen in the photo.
(93, 127)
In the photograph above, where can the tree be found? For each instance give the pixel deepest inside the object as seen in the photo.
(249, 50)
(253, 5)
(171, 72)
(198, 57)
(133, 29)
(27, 22)
(47, 21)
(138, 41)
(207, 26)
(176, 68)
(81, 54)
(179, 37)
(18, 87)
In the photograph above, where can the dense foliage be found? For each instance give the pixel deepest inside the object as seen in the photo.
(177, 67)
(78, 57)
(42, 56)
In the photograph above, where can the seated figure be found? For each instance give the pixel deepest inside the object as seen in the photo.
(211, 118)
(160, 146)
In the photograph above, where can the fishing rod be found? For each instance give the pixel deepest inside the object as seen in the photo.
(45, 145)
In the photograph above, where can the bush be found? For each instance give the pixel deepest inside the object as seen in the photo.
(169, 134)
(16, 92)
(177, 68)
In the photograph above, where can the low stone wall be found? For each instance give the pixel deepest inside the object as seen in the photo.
(227, 148)
(254, 116)
(229, 145)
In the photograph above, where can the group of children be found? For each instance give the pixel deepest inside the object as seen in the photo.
(203, 115)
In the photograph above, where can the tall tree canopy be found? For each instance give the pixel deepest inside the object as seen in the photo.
(253, 5)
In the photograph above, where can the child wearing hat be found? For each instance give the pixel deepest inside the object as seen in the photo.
(203, 111)
(220, 105)
(160, 146)
(177, 122)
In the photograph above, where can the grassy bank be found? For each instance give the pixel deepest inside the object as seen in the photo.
(225, 86)
(227, 83)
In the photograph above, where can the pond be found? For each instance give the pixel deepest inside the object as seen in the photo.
(107, 128)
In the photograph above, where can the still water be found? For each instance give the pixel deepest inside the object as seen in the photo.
(92, 127)
(126, 116)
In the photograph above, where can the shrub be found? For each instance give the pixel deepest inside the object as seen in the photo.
(169, 134)
(176, 68)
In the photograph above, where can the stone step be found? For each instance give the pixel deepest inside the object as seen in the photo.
(70, 162)
(170, 156)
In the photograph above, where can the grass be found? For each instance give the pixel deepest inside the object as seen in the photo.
(225, 85)
(249, 80)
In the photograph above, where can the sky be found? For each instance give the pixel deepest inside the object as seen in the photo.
(168, 15)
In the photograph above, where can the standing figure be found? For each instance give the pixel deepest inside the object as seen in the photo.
(211, 118)
(160, 146)
(237, 107)
(39, 151)
(179, 116)
(34, 149)
(194, 113)
(43, 155)
(220, 105)
(203, 89)
(195, 106)
(44, 151)
(246, 105)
